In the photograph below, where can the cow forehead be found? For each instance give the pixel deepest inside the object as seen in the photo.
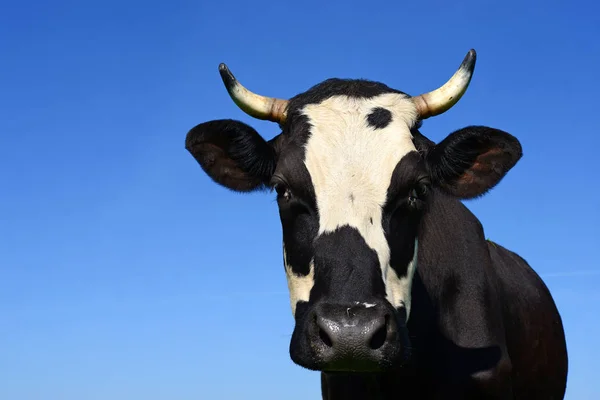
(352, 150)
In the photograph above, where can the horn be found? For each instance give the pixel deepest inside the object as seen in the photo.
(442, 99)
(257, 106)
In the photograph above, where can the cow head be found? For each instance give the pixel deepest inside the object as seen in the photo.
(353, 176)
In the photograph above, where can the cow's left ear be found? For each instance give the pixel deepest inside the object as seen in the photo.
(472, 160)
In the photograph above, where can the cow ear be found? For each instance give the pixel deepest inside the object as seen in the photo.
(232, 154)
(472, 160)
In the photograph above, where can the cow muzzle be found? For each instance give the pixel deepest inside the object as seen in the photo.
(357, 337)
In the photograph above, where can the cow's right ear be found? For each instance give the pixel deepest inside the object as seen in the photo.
(233, 154)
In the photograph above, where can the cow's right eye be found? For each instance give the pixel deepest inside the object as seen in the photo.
(283, 192)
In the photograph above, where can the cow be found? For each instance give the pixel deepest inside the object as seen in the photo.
(395, 291)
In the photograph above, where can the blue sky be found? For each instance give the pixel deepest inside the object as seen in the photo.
(125, 273)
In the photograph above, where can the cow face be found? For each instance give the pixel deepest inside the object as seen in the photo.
(353, 176)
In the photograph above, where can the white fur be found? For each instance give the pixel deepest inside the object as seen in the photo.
(351, 165)
(299, 285)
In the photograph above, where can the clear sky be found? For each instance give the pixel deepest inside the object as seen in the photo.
(126, 274)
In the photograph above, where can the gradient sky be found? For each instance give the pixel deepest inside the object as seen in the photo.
(126, 274)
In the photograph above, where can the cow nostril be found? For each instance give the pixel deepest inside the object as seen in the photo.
(378, 338)
(325, 338)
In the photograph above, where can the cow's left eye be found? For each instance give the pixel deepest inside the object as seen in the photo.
(413, 197)
(417, 195)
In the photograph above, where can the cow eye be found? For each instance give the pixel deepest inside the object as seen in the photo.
(413, 197)
(417, 194)
(283, 192)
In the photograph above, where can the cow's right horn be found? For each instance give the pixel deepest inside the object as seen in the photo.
(257, 106)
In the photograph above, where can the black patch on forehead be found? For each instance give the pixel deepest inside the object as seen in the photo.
(379, 118)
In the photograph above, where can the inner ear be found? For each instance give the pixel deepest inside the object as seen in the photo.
(473, 160)
(487, 169)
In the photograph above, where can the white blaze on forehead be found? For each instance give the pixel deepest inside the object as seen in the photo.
(351, 165)
(299, 285)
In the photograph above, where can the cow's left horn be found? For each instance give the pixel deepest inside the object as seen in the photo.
(257, 106)
(442, 99)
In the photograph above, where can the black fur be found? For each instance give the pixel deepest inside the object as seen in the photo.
(299, 215)
(407, 197)
(379, 118)
(357, 88)
(482, 323)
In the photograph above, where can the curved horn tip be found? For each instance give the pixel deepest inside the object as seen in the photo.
(445, 97)
(228, 78)
(469, 60)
